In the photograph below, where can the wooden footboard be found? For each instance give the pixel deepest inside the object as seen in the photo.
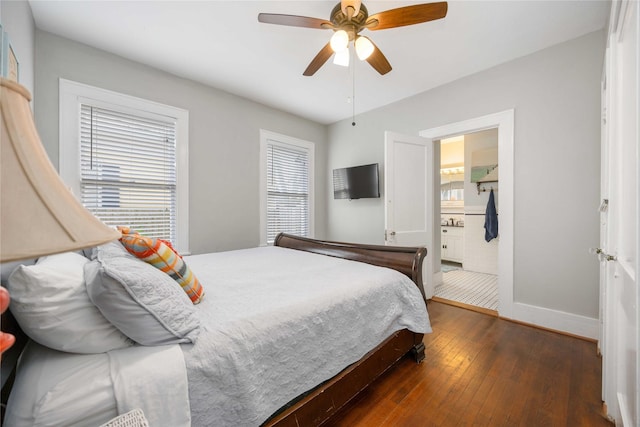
(324, 401)
(407, 260)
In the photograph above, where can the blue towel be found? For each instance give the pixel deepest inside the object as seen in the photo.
(491, 219)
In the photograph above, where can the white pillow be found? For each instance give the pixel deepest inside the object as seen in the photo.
(50, 302)
(144, 303)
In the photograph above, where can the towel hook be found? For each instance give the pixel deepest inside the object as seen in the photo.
(482, 190)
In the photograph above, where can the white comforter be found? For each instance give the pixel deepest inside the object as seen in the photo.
(278, 322)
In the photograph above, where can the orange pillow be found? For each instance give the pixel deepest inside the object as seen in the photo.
(162, 256)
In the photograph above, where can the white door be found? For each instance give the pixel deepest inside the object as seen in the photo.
(620, 223)
(408, 192)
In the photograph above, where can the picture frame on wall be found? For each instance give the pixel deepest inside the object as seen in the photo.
(9, 65)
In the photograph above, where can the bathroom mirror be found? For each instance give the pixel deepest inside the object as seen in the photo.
(452, 187)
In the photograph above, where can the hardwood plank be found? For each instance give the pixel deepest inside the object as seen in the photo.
(481, 370)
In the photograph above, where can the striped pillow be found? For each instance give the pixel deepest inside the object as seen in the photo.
(157, 253)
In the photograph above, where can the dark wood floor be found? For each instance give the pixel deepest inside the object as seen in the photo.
(485, 371)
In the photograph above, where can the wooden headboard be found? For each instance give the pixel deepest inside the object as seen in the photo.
(407, 260)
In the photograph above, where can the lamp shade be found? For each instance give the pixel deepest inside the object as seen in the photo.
(364, 47)
(341, 58)
(339, 41)
(38, 214)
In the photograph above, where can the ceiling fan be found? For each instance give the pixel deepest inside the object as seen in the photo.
(348, 18)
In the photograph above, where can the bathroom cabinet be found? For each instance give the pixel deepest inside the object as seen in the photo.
(452, 241)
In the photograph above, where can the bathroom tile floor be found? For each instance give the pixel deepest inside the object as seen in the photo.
(469, 287)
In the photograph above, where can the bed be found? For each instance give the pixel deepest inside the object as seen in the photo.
(321, 328)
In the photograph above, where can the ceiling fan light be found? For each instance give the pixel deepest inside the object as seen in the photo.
(339, 41)
(342, 58)
(364, 47)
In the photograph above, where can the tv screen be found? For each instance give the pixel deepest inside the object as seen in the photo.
(357, 182)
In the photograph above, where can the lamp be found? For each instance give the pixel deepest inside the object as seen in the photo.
(38, 214)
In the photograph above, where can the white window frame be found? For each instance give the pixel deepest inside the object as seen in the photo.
(73, 94)
(268, 137)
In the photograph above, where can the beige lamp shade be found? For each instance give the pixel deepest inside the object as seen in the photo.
(38, 214)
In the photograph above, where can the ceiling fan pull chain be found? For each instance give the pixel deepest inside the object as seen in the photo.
(353, 91)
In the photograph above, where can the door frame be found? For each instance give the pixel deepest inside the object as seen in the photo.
(504, 122)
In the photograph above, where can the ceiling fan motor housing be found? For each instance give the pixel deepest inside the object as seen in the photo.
(352, 26)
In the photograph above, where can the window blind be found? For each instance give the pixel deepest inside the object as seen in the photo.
(128, 170)
(287, 190)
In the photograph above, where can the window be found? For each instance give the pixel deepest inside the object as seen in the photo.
(126, 160)
(286, 196)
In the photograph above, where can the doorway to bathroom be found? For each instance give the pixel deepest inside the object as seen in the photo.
(474, 214)
(468, 252)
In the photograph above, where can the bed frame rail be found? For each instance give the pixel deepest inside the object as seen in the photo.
(326, 400)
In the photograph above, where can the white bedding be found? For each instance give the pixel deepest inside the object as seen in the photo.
(55, 388)
(275, 323)
(152, 379)
(278, 322)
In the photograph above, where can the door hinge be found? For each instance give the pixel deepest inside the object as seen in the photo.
(602, 255)
(604, 205)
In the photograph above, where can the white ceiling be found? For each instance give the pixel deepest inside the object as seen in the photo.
(222, 44)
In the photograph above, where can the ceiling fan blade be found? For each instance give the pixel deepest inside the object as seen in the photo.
(317, 62)
(294, 21)
(378, 61)
(408, 15)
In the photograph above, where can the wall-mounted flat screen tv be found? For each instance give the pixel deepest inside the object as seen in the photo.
(357, 182)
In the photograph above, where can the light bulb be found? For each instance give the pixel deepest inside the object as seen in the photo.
(364, 47)
(341, 58)
(339, 41)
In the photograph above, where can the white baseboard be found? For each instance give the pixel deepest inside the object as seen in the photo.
(573, 324)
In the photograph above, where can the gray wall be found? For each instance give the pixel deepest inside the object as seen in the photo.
(224, 132)
(556, 96)
(17, 22)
